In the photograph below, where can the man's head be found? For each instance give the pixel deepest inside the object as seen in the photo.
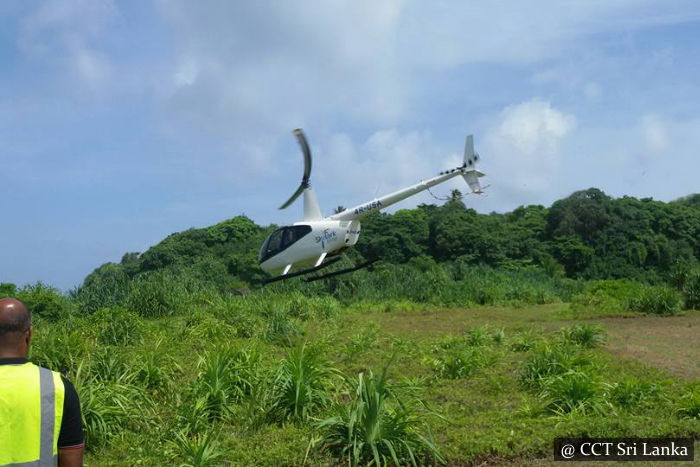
(15, 328)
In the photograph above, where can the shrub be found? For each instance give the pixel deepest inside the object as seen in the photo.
(660, 300)
(7, 289)
(44, 301)
(376, 427)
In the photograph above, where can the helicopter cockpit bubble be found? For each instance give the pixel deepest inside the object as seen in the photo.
(281, 239)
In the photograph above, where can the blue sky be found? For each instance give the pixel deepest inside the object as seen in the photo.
(122, 122)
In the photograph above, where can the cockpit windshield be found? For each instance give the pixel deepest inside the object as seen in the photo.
(281, 239)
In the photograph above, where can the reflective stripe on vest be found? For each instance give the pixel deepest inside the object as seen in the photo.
(31, 409)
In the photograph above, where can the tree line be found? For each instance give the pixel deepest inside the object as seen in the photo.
(588, 235)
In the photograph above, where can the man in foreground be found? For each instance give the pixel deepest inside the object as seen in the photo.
(39, 409)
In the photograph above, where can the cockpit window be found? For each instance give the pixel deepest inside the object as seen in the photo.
(281, 239)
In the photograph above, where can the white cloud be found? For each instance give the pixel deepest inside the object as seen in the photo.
(62, 32)
(655, 133)
(524, 144)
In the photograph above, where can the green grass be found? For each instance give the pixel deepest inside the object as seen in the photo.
(278, 378)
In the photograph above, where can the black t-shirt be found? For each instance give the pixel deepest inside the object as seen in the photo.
(71, 434)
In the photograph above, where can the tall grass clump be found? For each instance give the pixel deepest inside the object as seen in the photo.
(377, 428)
(108, 408)
(606, 296)
(59, 347)
(688, 406)
(281, 327)
(691, 289)
(117, 326)
(156, 294)
(225, 377)
(198, 450)
(303, 384)
(632, 392)
(549, 360)
(155, 369)
(105, 287)
(588, 336)
(659, 300)
(572, 391)
(457, 363)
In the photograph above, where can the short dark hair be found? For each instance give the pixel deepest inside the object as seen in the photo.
(19, 323)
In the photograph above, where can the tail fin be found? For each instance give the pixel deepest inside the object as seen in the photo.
(471, 175)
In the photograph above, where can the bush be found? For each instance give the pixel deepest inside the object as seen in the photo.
(7, 289)
(44, 301)
(660, 300)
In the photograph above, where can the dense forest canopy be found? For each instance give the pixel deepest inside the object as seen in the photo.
(587, 235)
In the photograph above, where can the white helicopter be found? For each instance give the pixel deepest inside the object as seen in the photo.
(316, 242)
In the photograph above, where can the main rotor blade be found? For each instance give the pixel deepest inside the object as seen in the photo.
(296, 194)
(307, 154)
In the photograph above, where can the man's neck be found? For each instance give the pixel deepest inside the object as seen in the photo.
(6, 353)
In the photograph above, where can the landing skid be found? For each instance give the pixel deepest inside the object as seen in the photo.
(302, 272)
(341, 271)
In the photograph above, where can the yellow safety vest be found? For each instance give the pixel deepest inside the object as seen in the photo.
(31, 409)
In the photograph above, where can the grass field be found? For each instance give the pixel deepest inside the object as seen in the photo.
(490, 385)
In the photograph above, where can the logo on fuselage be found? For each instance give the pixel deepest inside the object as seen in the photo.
(327, 235)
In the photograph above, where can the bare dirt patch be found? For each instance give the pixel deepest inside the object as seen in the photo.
(670, 343)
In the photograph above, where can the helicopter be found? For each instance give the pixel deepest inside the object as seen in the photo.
(315, 243)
